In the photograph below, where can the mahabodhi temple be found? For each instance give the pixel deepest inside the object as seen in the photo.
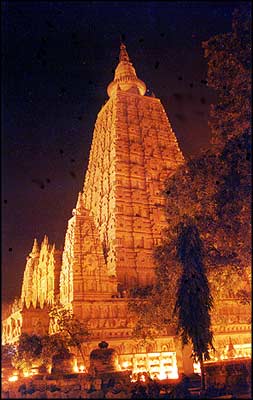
(117, 222)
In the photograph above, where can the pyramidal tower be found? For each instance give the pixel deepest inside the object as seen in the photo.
(133, 150)
(119, 215)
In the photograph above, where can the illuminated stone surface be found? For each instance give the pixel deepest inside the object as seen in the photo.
(84, 273)
(12, 324)
(40, 288)
(27, 286)
(133, 150)
(117, 222)
(41, 276)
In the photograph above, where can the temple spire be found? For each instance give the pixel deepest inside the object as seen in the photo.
(35, 250)
(123, 56)
(125, 77)
(45, 240)
(79, 205)
(79, 201)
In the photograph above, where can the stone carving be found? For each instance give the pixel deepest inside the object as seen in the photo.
(83, 259)
(41, 276)
(129, 144)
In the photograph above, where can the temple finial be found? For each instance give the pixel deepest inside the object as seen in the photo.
(45, 240)
(79, 205)
(79, 201)
(123, 56)
(35, 249)
(125, 77)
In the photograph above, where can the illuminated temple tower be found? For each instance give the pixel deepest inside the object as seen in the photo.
(116, 224)
(119, 214)
(133, 150)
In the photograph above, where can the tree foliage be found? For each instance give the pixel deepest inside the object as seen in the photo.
(28, 351)
(35, 350)
(213, 189)
(229, 73)
(52, 345)
(8, 351)
(218, 190)
(74, 331)
(193, 299)
(152, 308)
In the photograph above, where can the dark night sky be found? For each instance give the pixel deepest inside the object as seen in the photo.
(57, 60)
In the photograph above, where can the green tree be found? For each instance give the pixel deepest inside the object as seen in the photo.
(193, 299)
(218, 200)
(34, 350)
(229, 73)
(28, 352)
(52, 345)
(217, 183)
(212, 189)
(153, 310)
(73, 330)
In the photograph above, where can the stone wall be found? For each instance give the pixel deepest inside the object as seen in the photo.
(35, 320)
(231, 376)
